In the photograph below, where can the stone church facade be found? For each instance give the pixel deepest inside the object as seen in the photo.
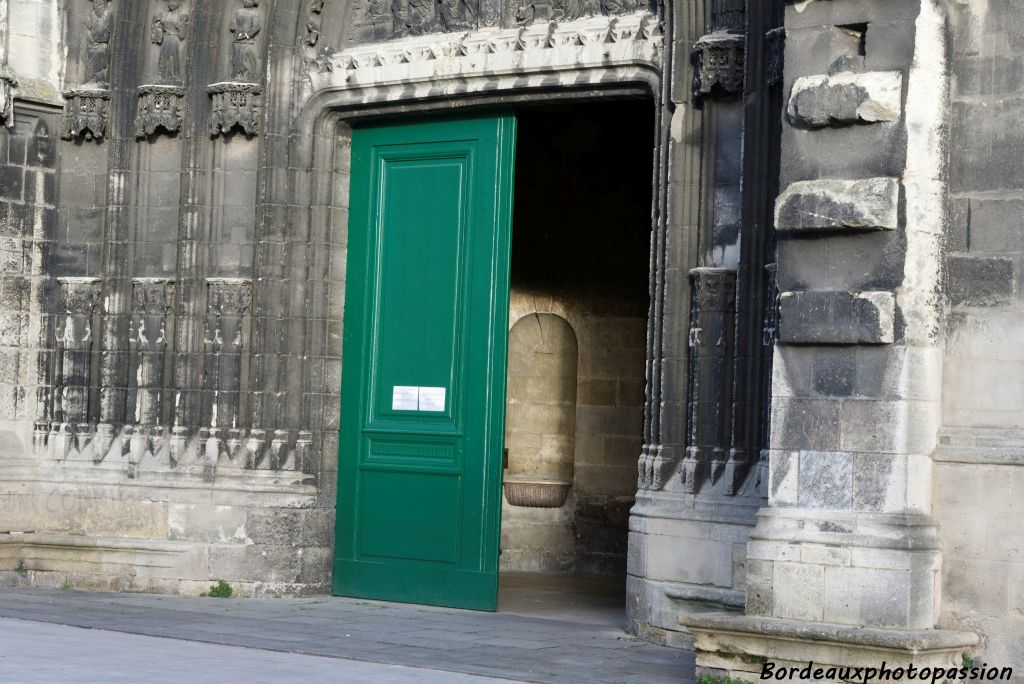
(791, 407)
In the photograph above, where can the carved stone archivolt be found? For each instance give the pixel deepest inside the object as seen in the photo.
(719, 62)
(86, 112)
(599, 41)
(160, 107)
(8, 83)
(380, 20)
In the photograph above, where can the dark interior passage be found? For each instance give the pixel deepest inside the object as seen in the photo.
(578, 324)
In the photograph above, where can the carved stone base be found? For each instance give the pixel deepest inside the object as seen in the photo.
(743, 647)
(86, 112)
(160, 106)
(235, 104)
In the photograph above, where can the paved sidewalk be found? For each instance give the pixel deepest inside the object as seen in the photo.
(40, 653)
(560, 646)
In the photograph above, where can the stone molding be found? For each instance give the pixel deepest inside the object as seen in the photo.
(738, 646)
(160, 107)
(599, 42)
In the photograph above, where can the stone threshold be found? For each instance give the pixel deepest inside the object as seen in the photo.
(742, 645)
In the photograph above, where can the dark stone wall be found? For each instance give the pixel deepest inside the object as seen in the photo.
(30, 248)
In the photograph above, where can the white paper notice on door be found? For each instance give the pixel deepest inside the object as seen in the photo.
(405, 398)
(432, 399)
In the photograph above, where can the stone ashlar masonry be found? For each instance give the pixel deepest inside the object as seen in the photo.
(845, 564)
(979, 478)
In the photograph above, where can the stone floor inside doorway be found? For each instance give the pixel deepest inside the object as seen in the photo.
(547, 629)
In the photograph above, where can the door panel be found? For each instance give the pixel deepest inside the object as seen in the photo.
(423, 379)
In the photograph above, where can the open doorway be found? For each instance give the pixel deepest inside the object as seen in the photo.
(578, 323)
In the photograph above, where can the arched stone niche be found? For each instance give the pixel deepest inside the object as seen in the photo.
(540, 425)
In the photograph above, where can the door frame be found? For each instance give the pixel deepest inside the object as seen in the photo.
(320, 172)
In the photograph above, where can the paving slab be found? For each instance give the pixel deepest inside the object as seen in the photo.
(587, 644)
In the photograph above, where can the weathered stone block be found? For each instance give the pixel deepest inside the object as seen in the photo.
(839, 205)
(826, 480)
(979, 281)
(837, 318)
(798, 591)
(846, 98)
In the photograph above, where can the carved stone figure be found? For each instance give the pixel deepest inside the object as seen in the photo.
(457, 15)
(99, 25)
(8, 82)
(413, 17)
(169, 32)
(246, 24)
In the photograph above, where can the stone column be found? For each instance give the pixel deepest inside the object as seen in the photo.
(844, 564)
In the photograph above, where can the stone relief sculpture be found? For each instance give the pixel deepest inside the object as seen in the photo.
(457, 15)
(8, 83)
(168, 33)
(246, 24)
(99, 25)
(236, 103)
(86, 108)
(161, 104)
(379, 20)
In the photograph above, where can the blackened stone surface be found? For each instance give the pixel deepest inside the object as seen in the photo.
(975, 281)
(837, 318)
(846, 98)
(839, 205)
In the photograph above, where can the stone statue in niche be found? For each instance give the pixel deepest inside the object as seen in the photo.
(169, 32)
(99, 25)
(246, 24)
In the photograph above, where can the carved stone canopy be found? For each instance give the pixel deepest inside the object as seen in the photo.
(160, 106)
(719, 61)
(152, 296)
(229, 296)
(79, 296)
(235, 104)
(86, 111)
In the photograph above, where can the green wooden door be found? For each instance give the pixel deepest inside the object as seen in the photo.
(423, 379)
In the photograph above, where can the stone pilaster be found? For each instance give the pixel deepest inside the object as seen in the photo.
(76, 345)
(712, 338)
(848, 539)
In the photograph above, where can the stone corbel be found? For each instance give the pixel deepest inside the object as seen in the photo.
(235, 104)
(86, 112)
(8, 82)
(719, 63)
(160, 107)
